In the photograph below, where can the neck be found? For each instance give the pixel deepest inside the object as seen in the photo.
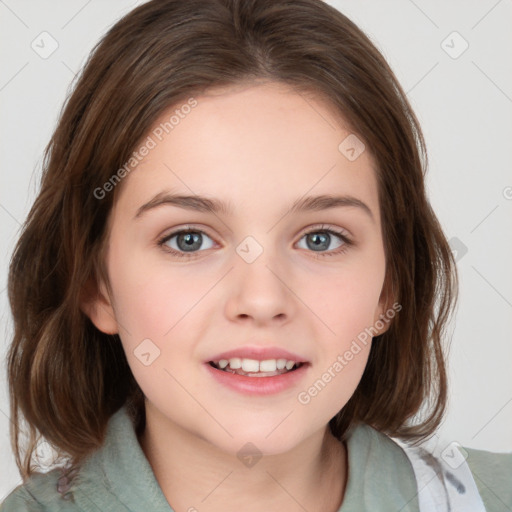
(194, 474)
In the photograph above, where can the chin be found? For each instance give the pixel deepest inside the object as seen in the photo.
(268, 439)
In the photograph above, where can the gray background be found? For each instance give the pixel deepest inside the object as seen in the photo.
(462, 98)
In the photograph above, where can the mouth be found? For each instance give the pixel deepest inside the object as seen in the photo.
(255, 368)
(258, 378)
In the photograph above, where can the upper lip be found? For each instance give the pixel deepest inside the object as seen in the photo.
(259, 353)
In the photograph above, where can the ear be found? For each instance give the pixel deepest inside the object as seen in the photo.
(97, 305)
(386, 301)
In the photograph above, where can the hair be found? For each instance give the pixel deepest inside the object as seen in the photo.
(65, 376)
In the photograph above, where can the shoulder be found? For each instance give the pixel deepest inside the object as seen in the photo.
(39, 493)
(492, 473)
(19, 500)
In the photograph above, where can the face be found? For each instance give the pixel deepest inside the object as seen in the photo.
(257, 273)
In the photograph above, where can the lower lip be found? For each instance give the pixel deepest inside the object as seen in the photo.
(259, 385)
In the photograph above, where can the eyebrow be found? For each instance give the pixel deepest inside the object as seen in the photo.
(215, 206)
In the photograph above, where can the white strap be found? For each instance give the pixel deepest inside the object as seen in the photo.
(445, 482)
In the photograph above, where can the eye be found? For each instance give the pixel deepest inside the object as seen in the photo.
(319, 239)
(184, 241)
(187, 242)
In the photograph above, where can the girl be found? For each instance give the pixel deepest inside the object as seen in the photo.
(231, 291)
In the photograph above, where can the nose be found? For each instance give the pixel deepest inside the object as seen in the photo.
(260, 292)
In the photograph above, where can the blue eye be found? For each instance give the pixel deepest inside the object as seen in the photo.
(322, 238)
(186, 243)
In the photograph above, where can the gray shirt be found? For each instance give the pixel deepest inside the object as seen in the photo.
(118, 477)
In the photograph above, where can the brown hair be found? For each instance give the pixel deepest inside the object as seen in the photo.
(65, 376)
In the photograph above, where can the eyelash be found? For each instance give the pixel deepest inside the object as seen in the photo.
(347, 242)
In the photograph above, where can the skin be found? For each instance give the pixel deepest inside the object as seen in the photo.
(258, 147)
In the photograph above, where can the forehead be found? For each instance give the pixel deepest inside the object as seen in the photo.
(251, 146)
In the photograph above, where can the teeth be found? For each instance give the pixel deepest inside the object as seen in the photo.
(281, 363)
(250, 365)
(270, 365)
(255, 366)
(235, 363)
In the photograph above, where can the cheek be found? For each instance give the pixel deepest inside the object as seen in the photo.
(332, 384)
(153, 307)
(160, 312)
(347, 311)
(150, 299)
(346, 299)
